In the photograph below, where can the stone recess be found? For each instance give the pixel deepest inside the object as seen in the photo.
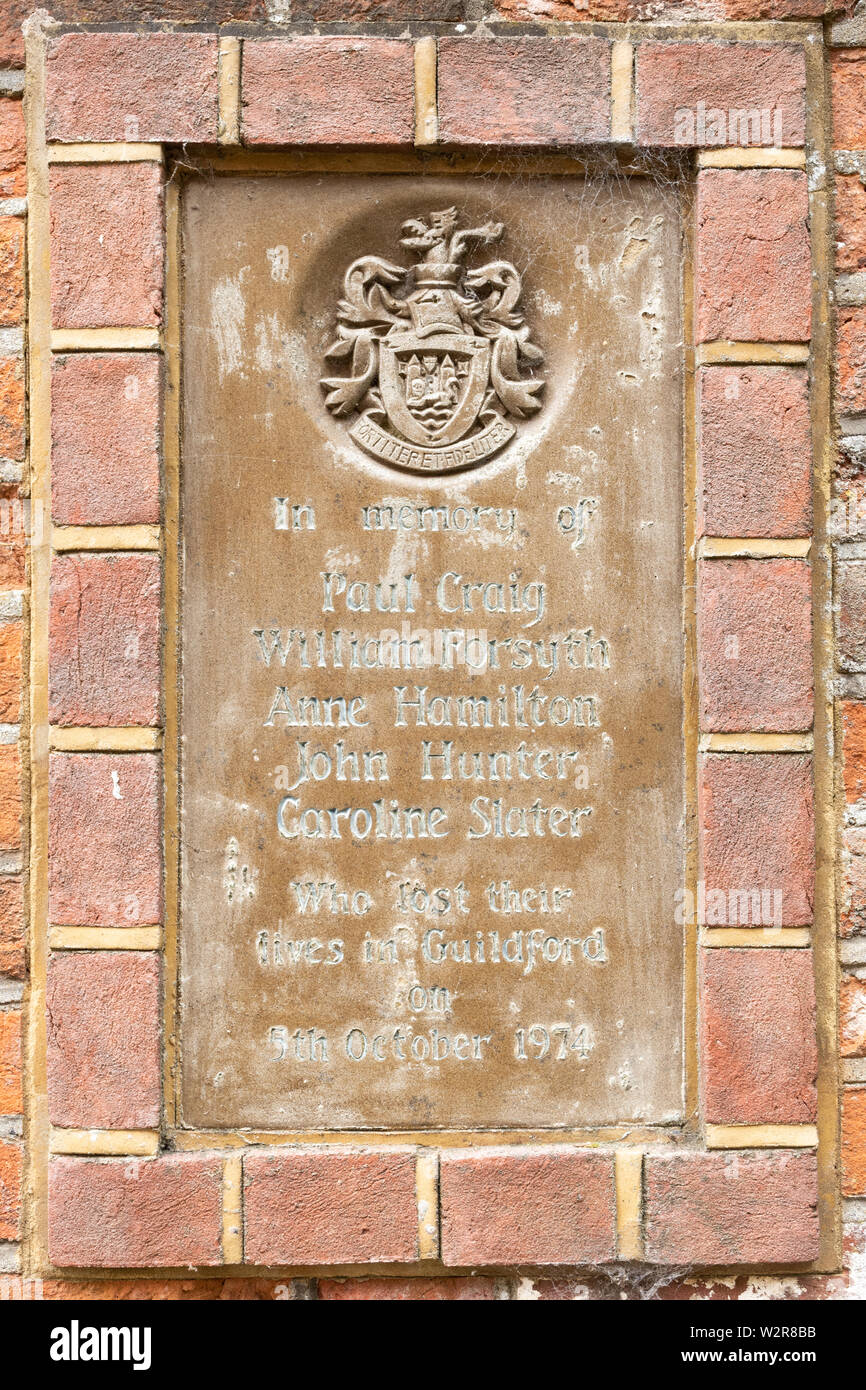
(327, 91)
(105, 640)
(416, 1290)
(135, 1213)
(106, 245)
(674, 77)
(150, 87)
(103, 1012)
(526, 91)
(755, 452)
(758, 1049)
(756, 828)
(105, 854)
(105, 420)
(330, 1206)
(527, 1206)
(731, 1208)
(753, 266)
(755, 645)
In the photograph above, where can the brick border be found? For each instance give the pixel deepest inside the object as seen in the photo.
(756, 737)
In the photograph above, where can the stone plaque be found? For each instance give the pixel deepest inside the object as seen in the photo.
(431, 726)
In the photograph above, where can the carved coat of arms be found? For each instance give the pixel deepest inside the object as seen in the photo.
(439, 355)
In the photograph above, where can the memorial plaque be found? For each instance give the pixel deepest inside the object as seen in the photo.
(431, 651)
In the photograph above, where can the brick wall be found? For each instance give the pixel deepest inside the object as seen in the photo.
(754, 1169)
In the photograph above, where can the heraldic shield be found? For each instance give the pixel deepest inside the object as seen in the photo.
(433, 388)
(439, 353)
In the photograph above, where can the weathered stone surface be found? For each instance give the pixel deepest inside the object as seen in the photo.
(105, 862)
(395, 912)
(717, 85)
(523, 91)
(527, 1206)
(759, 1057)
(757, 833)
(150, 87)
(135, 1212)
(106, 245)
(753, 265)
(105, 640)
(731, 1208)
(104, 1039)
(755, 452)
(755, 635)
(105, 425)
(330, 1206)
(312, 90)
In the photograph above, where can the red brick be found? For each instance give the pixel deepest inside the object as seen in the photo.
(330, 1206)
(755, 452)
(759, 1055)
(10, 1190)
(753, 268)
(852, 865)
(853, 719)
(10, 672)
(757, 828)
(786, 9)
(158, 87)
(851, 614)
(674, 77)
(854, 1141)
(141, 1213)
(852, 1016)
(851, 360)
(105, 423)
(104, 839)
(173, 1290)
(11, 271)
(527, 1206)
(105, 640)
(13, 540)
(755, 645)
(11, 408)
(103, 1010)
(13, 172)
(10, 1062)
(848, 97)
(10, 796)
(106, 245)
(731, 1208)
(850, 212)
(523, 91)
(12, 952)
(213, 12)
(419, 1290)
(378, 11)
(324, 91)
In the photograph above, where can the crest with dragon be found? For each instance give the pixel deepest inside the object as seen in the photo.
(439, 355)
